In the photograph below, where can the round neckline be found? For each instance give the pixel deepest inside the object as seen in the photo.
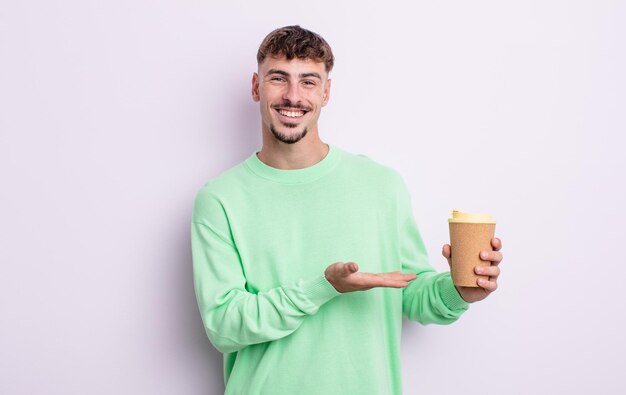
(294, 176)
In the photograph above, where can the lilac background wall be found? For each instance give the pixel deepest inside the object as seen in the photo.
(113, 114)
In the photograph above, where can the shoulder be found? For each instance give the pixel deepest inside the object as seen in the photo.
(210, 198)
(373, 170)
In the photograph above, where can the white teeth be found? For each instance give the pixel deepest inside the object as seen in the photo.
(291, 114)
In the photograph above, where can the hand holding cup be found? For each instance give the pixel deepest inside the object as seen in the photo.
(474, 263)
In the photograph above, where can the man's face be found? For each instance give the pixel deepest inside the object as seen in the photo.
(291, 94)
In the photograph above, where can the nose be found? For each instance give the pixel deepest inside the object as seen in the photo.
(291, 93)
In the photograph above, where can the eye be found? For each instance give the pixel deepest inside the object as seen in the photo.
(308, 82)
(277, 79)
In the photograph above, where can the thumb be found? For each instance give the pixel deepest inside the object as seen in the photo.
(446, 251)
(350, 267)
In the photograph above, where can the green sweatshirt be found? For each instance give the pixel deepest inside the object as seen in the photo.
(261, 240)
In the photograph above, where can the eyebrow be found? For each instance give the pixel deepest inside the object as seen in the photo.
(286, 74)
(306, 75)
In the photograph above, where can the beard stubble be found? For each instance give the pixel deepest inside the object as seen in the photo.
(288, 139)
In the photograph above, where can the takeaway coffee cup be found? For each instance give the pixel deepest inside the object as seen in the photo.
(469, 235)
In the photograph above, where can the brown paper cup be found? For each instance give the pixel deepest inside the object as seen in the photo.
(467, 240)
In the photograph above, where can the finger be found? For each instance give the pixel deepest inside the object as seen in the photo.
(446, 251)
(492, 256)
(487, 285)
(373, 280)
(398, 276)
(496, 243)
(489, 271)
(389, 283)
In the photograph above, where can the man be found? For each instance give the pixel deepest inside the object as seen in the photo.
(282, 241)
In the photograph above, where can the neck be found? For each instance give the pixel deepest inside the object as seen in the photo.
(304, 153)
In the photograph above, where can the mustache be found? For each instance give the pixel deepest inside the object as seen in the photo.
(289, 104)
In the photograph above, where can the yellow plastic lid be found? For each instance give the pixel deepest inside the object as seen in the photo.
(459, 216)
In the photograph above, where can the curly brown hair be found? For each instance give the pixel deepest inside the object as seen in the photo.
(296, 42)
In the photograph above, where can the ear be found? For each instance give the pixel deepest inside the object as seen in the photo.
(326, 92)
(255, 87)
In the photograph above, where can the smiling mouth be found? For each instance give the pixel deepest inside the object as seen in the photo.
(291, 113)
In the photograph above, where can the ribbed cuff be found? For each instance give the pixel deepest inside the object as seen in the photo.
(449, 294)
(312, 293)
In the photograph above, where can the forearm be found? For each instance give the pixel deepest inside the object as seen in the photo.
(240, 318)
(235, 318)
